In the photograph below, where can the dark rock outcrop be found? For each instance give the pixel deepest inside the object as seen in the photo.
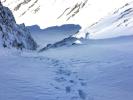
(12, 34)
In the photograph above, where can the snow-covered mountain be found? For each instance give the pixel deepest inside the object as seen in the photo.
(12, 34)
(48, 13)
(52, 34)
(119, 23)
(82, 12)
(100, 69)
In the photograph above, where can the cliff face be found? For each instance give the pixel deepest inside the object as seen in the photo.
(12, 34)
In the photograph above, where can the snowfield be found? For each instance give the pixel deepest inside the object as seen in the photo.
(97, 70)
(95, 63)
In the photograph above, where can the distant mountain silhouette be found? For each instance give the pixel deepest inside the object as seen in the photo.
(65, 27)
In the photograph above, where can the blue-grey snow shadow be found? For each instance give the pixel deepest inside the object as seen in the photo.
(52, 34)
(70, 42)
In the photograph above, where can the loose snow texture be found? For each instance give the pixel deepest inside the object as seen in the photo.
(97, 70)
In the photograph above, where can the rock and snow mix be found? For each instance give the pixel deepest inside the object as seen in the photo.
(120, 23)
(12, 34)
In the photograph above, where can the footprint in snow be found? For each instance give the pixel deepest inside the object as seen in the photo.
(68, 89)
(60, 79)
(71, 81)
(83, 84)
(82, 94)
(64, 72)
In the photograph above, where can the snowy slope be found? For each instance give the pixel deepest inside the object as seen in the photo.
(48, 13)
(119, 23)
(99, 70)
